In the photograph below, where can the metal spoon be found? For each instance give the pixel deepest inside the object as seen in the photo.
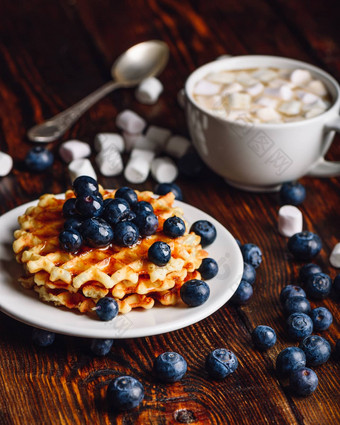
(141, 61)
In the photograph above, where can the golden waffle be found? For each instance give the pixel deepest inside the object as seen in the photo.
(79, 280)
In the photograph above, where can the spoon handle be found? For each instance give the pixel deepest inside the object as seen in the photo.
(56, 126)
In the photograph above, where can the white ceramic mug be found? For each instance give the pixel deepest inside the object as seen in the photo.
(260, 157)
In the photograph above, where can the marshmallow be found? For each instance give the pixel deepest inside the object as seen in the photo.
(239, 100)
(314, 112)
(206, 88)
(149, 91)
(278, 82)
(255, 89)
(210, 102)
(267, 101)
(158, 135)
(292, 107)
(177, 146)
(334, 258)
(268, 115)
(74, 149)
(131, 122)
(317, 87)
(264, 75)
(164, 170)
(81, 167)
(104, 141)
(221, 77)
(6, 164)
(245, 79)
(290, 220)
(307, 97)
(283, 92)
(109, 162)
(138, 167)
(232, 88)
(300, 77)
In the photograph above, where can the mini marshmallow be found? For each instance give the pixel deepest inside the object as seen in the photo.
(177, 146)
(245, 79)
(255, 89)
(6, 164)
(290, 220)
(292, 107)
(138, 167)
(158, 135)
(81, 167)
(109, 162)
(210, 102)
(206, 88)
(307, 97)
(264, 75)
(221, 77)
(283, 92)
(149, 91)
(239, 100)
(278, 82)
(317, 87)
(314, 112)
(232, 88)
(267, 101)
(268, 115)
(74, 149)
(131, 122)
(334, 258)
(300, 77)
(104, 141)
(164, 170)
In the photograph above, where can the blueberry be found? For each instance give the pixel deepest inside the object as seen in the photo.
(249, 273)
(85, 185)
(174, 227)
(336, 287)
(319, 286)
(128, 194)
(142, 206)
(291, 291)
(304, 245)
(39, 159)
(290, 359)
(297, 305)
(190, 164)
(220, 363)
(124, 393)
(299, 325)
(303, 381)
(106, 202)
(251, 254)
(130, 216)
(243, 293)
(205, 230)
(126, 233)
(101, 347)
(116, 211)
(263, 337)
(292, 193)
(164, 188)
(308, 270)
(73, 223)
(169, 367)
(194, 292)
(316, 348)
(96, 232)
(42, 338)
(89, 205)
(70, 240)
(208, 268)
(159, 253)
(107, 309)
(147, 223)
(322, 318)
(69, 208)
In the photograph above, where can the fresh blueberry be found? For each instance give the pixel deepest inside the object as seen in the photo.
(159, 253)
(263, 337)
(336, 287)
(190, 164)
(69, 208)
(292, 193)
(39, 159)
(316, 348)
(96, 232)
(249, 273)
(116, 211)
(205, 230)
(297, 305)
(147, 223)
(243, 293)
(208, 268)
(194, 292)
(164, 188)
(319, 286)
(169, 367)
(101, 347)
(304, 245)
(337, 349)
(142, 206)
(70, 240)
(251, 254)
(174, 227)
(89, 205)
(290, 359)
(322, 318)
(303, 381)
(85, 185)
(126, 233)
(128, 194)
(73, 223)
(291, 291)
(299, 325)
(125, 393)
(130, 216)
(220, 363)
(308, 270)
(107, 309)
(42, 338)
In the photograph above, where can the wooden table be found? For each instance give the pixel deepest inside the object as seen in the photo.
(55, 52)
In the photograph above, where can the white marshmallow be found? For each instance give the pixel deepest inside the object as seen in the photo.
(74, 149)
(245, 79)
(177, 146)
(317, 87)
(264, 75)
(292, 107)
(109, 162)
(307, 97)
(164, 170)
(268, 115)
(283, 92)
(290, 220)
(210, 102)
(267, 101)
(149, 91)
(103, 141)
(300, 77)
(138, 167)
(131, 122)
(239, 100)
(81, 167)
(314, 112)
(255, 89)
(334, 258)
(206, 88)
(221, 77)
(6, 164)
(158, 135)
(278, 82)
(232, 88)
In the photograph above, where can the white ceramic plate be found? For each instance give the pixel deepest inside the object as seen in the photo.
(25, 306)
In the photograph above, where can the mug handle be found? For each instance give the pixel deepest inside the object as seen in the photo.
(323, 168)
